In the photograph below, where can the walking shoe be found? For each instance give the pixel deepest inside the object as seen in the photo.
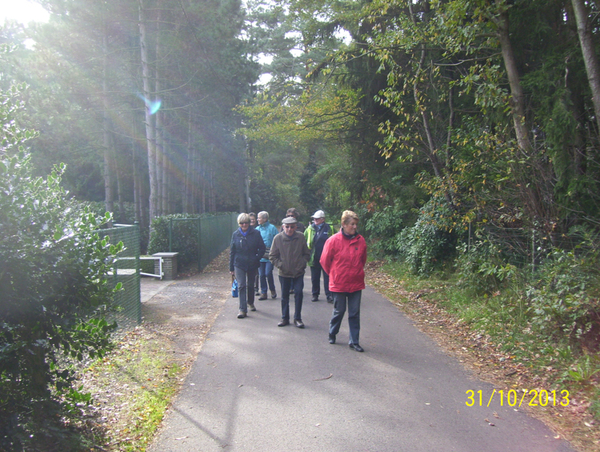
(315, 298)
(263, 296)
(251, 306)
(356, 347)
(331, 338)
(241, 315)
(273, 294)
(329, 299)
(299, 323)
(283, 322)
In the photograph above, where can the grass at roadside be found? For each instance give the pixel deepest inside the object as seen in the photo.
(132, 387)
(493, 335)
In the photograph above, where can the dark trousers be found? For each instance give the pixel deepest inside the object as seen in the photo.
(266, 277)
(315, 278)
(245, 281)
(340, 299)
(298, 285)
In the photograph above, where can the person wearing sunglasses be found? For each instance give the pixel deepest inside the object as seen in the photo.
(245, 251)
(290, 254)
(292, 212)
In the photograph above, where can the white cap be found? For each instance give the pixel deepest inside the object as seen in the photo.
(319, 214)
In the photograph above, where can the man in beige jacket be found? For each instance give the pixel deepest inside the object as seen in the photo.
(289, 254)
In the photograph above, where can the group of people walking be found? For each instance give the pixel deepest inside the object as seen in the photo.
(340, 258)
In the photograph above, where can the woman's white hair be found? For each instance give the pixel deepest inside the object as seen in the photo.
(243, 218)
(264, 214)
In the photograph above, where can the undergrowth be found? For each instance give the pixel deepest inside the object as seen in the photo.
(140, 377)
(543, 332)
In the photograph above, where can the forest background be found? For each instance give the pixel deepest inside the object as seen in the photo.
(465, 133)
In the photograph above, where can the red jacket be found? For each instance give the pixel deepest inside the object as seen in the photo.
(344, 259)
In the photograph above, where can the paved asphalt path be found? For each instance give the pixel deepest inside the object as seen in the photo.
(259, 387)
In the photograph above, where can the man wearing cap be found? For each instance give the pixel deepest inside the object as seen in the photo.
(316, 235)
(289, 254)
(292, 212)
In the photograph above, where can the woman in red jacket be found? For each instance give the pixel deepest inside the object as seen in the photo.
(343, 259)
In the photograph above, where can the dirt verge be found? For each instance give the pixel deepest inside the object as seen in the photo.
(484, 359)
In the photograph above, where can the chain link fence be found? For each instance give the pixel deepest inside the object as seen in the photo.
(197, 240)
(202, 238)
(126, 270)
(215, 236)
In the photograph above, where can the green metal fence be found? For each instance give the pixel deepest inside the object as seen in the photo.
(126, 270)
(213, 235)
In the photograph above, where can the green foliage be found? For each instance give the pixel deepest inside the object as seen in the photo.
(482, 269)
(430, 242)
(312, 193)
(566, 300)
(127, 216)
(53, 267)
(384, 228)
(265, 197)
(54, 291)
(584, 369)
(184, 236)
(146, 265)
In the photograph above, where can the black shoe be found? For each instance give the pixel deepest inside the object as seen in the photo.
(356, 347)
(331, 338)
(315, 298)
(273, 294)
(263, 296)
(329, 299)
(283, 322)
(299, 323)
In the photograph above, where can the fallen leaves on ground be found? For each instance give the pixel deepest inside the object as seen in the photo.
(484, 358)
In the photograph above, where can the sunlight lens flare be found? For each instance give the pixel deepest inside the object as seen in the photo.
(153, 107)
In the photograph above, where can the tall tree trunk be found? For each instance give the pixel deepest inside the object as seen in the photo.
(532, 194)
(203, 187)
(592, 66)
(159, 164)
(430, 148)
(212, 198)
(161, 161)
(108, 152)
(165, 167)
(191, 173)
(137, 207)
(517, 101)
(120, 196)
(150, 128)
(202, 191)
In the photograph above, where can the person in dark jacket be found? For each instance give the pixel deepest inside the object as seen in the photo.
(290, 254)
(245, 251)
(343, 259)
(254, 224)
(268, 233)
(292, 212)
(316, 235)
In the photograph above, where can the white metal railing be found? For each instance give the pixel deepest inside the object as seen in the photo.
(160, 266)
(147, 258)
